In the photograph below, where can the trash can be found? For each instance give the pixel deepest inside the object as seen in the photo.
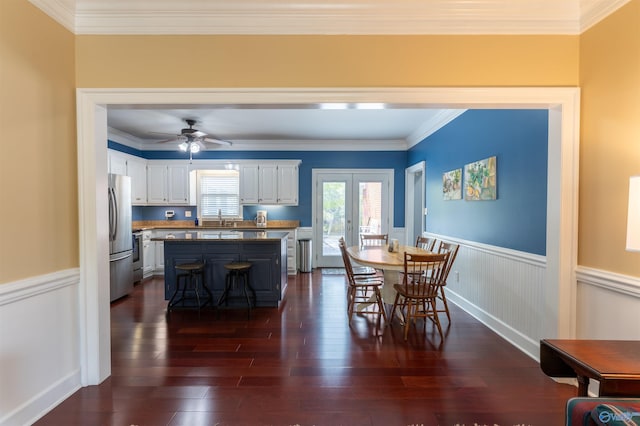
(305, 254)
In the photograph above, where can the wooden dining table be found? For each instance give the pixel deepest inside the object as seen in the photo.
(391, 263)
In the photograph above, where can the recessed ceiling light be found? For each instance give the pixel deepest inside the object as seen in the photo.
(343, 105)
(371, 105)
(334, 105)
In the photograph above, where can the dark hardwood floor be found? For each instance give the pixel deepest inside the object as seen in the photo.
(303, 365)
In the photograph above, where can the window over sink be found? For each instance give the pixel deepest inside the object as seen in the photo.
(218, 194)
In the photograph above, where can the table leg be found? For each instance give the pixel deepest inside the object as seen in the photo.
(583, 386)
(388, 292)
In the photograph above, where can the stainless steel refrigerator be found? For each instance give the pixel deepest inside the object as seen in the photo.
(120, 237)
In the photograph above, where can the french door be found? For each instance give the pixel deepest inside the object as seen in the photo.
(348, 203)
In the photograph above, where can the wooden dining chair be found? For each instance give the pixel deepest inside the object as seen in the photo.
(363, 292)
(452, 249)
(374, 240)
(362, 271)
(417, 294)
(427, 243)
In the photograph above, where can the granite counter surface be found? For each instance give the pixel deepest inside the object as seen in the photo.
(189, 225)
(226, 235)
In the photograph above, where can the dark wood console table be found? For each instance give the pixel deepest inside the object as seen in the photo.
(614, 363)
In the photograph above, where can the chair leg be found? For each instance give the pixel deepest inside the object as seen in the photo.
(245, 283)
(380, 304)
(444, 301)
(193, 281)
(393, 309)
(351, 297)
(411, 306)
(435, 317)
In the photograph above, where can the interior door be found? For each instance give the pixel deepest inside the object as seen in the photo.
(348, 204)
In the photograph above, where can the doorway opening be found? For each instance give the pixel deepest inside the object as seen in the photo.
(562, 197)
(346, 204)
(415, 200)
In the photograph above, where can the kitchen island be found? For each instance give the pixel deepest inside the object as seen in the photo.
(265, 250)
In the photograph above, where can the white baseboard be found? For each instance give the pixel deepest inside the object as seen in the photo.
(35, 408)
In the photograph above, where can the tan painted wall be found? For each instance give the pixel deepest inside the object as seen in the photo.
(38, 185)
(37, 77)
(610, 141)
(326, 61)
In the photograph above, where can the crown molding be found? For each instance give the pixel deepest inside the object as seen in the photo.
(62, 11)
(594, 11)
(359, 18)
(441, 119)
(336, 23)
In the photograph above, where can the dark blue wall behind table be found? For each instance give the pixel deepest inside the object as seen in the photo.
(395, 160)
(519, 139)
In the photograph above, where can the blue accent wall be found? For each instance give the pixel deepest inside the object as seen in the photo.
(395, 160)
(519, 139)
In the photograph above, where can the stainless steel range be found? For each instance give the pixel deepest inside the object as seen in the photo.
(138, 260)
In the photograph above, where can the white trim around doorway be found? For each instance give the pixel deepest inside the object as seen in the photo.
(562, 198)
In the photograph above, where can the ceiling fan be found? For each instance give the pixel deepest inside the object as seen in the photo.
(193, 140)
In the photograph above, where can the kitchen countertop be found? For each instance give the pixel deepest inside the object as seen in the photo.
(188, 225)
(222, 235)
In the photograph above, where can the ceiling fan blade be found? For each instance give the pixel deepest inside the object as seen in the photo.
(196, 134)
(169, 140)
(218, 141)
(162, 133)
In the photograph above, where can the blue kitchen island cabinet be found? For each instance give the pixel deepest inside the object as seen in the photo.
(266, 251)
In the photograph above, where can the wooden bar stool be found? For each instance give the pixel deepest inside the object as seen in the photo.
(189, 276)
(236, 272)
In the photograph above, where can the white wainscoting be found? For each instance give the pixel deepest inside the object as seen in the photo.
(39, 345)
(502, 288)
(608, 305)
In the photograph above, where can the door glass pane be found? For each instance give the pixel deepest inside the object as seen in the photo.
(370, 207)
(333, 212)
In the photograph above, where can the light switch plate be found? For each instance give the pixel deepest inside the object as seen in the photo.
(187, 213)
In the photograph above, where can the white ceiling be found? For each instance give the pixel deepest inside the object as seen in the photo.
(309, 126)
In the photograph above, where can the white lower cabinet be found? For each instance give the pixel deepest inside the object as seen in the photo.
(149, 254)
(292, 264)
(159, 249)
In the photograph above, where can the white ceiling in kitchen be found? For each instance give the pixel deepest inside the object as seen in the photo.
(309, 126)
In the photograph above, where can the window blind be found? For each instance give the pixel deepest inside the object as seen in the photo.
(218, 191)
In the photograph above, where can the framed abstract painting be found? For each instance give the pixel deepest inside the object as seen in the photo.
(480, 180)
(452, 185)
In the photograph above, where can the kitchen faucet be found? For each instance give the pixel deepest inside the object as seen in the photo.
(220, 217)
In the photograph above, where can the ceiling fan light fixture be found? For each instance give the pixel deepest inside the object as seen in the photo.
(183, 146)
(194, 147)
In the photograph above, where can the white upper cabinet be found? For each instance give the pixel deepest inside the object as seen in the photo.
(288, 184)
(134, 167)
(157, 183)
(249, 184)
(117, 163)
(137, 169)
(269, 183)
(178, 184)
(167, 183)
